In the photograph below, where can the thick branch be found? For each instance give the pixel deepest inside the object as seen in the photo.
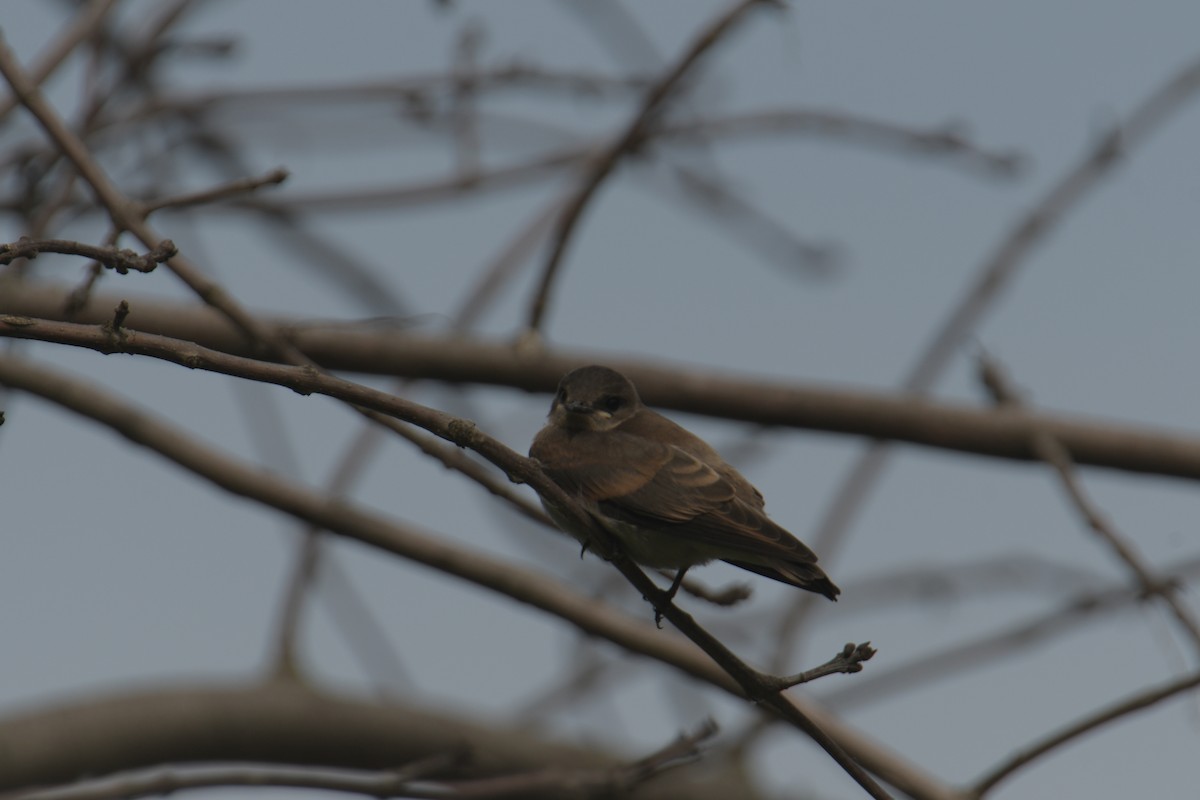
(1006, 434)
(280, 723)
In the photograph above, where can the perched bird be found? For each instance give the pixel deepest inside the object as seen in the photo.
(663, 492)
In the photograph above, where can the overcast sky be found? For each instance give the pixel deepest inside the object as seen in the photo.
(119, 570)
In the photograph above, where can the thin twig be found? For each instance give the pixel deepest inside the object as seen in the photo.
(729, 596)
(81, 295)
(122, 261)
(627, 142)
(849, 128)
(552, 784)
(235, 188)
(848, 661)
(1135, 703)
(463, 105)
(987, 648)
(503, 266)
(515, 74)
(82, 26)
(1057, 456)
(125, 214)
(162, 782)
(840, 126)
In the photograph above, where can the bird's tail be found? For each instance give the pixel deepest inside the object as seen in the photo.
(795, 573)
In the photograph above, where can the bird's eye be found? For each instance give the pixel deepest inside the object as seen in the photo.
(611, 403)
(560, 396)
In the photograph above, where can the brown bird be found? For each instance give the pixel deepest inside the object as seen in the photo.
(663, 492)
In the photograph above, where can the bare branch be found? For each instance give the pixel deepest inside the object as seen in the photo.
(237, 188)
(393, 783)
(121, 261)
(1054, 453)
(997, 271)
(729, 596)
(424, 778)
(124, 213)
(999, 434)
(1116, 711)
(603, 164)
(986, 649)
(839, 126)
(287, 723)
(848, 661)
(512, 75)
(84, 24)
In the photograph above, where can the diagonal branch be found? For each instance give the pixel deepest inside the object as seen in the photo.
(85, 23)
(606, 161)
(347, 520)
(1058, 456)
(1055, 740)
(997, 271)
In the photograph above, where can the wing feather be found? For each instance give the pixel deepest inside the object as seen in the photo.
(690, 499)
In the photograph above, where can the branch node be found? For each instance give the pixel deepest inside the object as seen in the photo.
(463, 432)
(119, 315)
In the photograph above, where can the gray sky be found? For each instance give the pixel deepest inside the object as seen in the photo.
(121, 570)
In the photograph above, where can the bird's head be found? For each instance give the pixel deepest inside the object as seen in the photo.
(594, 399)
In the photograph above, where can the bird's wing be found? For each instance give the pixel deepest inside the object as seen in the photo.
(688, 498)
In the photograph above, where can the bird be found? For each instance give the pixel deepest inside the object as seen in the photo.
(664, 493)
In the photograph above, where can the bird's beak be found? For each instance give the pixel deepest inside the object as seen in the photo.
(577, 408)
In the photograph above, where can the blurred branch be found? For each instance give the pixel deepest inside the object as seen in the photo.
(503, 266)
(840, 126)
(1039, 222)
(166, 781)
(986, 649)
(994, 274)
(836, 126)
(1052, 451)
(419, 779)
(1002, 433)
(753, 226)
(286, 723)
(234, 188)
(1090, 723)
(125, 214)
(554, 784)
(574, 685)
(729, 596)
(83, 25)
(400, 89)
(358, 199)
(464, 106)
(602, 165)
